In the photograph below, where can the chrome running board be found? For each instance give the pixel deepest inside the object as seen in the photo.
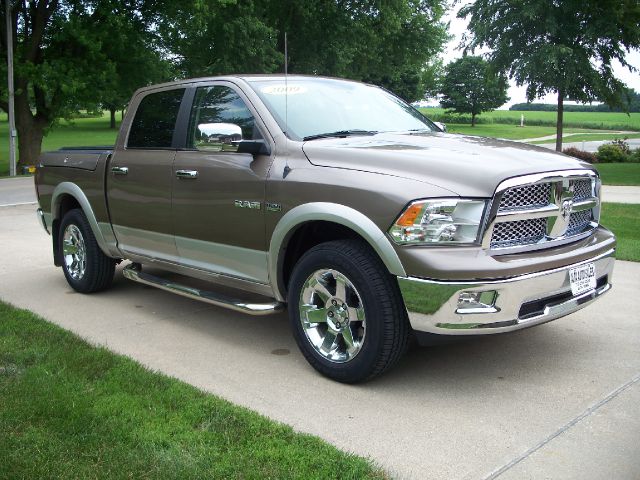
(133, 272)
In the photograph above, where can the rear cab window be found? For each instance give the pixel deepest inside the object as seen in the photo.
(154, 123)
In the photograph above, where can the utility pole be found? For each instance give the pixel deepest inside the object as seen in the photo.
(12, 113)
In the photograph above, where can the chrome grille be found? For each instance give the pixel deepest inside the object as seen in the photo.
(578, 222)
(528, 196)
(542, 209)
(509, 234)
(581, 189)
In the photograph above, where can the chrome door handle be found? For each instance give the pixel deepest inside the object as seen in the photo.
(119, 170)
(187, 173)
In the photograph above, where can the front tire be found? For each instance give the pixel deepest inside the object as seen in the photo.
(346, 311)
(86, 268)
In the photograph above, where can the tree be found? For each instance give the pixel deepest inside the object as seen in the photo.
(470, 86)
(58, 64)
(564, 47)
(130, 46)
(64, 61)
(393, 43)
(217, 37)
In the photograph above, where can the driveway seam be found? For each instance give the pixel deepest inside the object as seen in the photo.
(17, 204)
(499, 471)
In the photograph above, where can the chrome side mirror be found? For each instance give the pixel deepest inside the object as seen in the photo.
(441, 126)
(218, 137)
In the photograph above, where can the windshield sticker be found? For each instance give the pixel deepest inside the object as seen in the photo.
(282, 89)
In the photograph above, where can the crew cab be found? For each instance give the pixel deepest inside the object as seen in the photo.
(333, 199)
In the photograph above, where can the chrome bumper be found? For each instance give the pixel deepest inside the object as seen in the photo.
(518, 302)
(42, 220)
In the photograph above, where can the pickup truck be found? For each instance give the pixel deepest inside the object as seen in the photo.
(333, 199)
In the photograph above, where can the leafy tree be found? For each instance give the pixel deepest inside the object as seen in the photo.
(66, 59)
(470, 86)
(561, 46)
(393, 43)
(58, 65)
(130, 46)
(217, 37)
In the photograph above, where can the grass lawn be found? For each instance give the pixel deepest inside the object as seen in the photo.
(511, 132)
(70, 410)
(624, 220)
(619, 173)
(597, 120)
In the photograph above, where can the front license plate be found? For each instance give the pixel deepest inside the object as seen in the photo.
(582, 278)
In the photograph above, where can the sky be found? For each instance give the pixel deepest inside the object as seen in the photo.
(518, 94)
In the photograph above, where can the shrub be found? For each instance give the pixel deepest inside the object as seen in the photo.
(581, 154)
(635, 156)
(622, 144)
(611, 153)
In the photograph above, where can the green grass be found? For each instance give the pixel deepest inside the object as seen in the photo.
(624, 220)
(70, 410)
(619, 173)
(596, 120)
(511, 132)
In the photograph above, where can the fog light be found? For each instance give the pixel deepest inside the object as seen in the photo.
(477, 302)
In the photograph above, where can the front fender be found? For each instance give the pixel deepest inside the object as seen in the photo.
(329, 212)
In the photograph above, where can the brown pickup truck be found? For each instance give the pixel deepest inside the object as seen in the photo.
(336, 199)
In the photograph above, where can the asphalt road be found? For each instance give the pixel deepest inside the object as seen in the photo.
(557, 401)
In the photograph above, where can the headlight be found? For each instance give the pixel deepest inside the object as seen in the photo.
(439, 221)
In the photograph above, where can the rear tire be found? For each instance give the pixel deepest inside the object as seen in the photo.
(346, 312)
(86, 268)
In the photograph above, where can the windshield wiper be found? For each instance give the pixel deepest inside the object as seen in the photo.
(339, 133)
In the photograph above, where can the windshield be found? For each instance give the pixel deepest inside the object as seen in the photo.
(321, 106)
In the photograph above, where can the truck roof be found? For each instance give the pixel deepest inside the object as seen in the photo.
(243, 77)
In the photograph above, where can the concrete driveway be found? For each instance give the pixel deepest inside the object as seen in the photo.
(17, 191)
(557, 401)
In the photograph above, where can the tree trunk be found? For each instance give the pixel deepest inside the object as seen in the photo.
(112, 122)
(559, 120)
(30, 129)
(473, 119)
(30, 134)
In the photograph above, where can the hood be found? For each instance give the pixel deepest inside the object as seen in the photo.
(466, 165)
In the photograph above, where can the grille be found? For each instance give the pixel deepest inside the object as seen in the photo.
(528, 231)
(578, 222)
(520, 232)
(581, 189)
(528, 196)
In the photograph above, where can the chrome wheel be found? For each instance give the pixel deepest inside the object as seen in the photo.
(332, 315)
(74, 251)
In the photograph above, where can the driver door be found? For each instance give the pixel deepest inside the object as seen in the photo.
(218, 193)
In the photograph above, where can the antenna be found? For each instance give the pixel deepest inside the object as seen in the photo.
(286, 86)
(286, 109)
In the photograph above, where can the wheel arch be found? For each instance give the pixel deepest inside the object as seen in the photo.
(344, 221)
(67, 196)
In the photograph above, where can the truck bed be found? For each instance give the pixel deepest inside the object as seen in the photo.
(85, 158)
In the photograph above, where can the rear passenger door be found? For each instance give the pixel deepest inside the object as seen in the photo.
(140, 176)
(218, 193)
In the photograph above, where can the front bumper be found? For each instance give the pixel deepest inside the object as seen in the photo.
(519, 302)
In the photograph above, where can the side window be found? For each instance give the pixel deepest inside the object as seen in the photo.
(155, 120)
(219, 117)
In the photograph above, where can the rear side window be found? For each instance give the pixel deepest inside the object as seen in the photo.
(155, 120)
